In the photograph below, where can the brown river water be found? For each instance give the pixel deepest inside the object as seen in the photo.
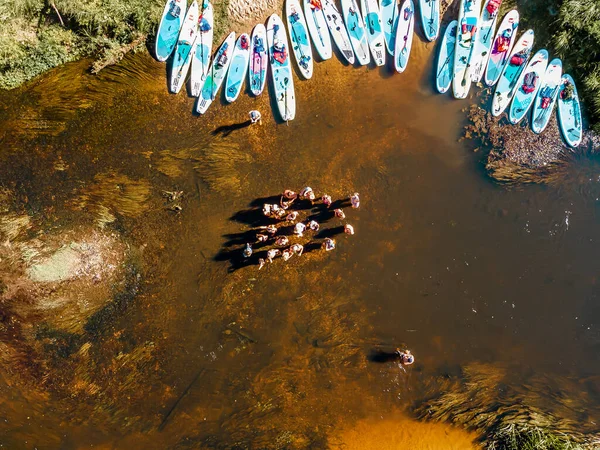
(204, 353)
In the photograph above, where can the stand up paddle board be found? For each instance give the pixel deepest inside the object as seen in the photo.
(569, 113)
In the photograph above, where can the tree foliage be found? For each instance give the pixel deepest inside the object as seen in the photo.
(576, 39)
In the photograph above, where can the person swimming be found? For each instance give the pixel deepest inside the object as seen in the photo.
(299, 229)
(261, 263)
(406, 357)
(282, 241)
(339, 214)
(313, 225)
(292, 216)
(355, 200)
(348, 229)
(328, 244)
(289, 195)
(326, 199)
(248, 251)
(255, 116)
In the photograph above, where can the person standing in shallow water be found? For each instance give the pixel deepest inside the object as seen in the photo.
(406, 358)
(255, 116)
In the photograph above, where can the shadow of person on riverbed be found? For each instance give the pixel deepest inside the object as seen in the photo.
(226, 130)
(330, 232)
(382, 356)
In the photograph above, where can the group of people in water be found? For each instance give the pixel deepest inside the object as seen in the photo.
(287, 224)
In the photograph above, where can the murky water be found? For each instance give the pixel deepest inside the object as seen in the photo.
(203, 353)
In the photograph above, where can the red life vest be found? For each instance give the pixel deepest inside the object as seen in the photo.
(493, 6)
(545, 102)
(502, 44)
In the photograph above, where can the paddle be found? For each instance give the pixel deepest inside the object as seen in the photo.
(463, 82)
(431, 27)
(541, 118)
(403, 51)
(318, 27)
(302, 55)
(448, 58)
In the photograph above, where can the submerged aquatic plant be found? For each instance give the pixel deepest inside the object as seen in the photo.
(547, 413)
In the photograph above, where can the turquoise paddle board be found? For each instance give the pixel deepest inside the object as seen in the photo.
(317, 26)
(216, 74)
(569, 114)
(373, 24)
(168, 29)
(545, 99)
(259, 60)
(404, 35)
(238, 68)
(516, 63)
(528, 85)
(185, 49)
(356, 30)
(501, 47)
(430, 18)
(338, 31)
(483, 41)
(389, 20)
(298, 31)
(468, 23)
(281, 69)
(204, 42)
(445, 62)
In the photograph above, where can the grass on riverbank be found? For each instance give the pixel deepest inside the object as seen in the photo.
(37, 35)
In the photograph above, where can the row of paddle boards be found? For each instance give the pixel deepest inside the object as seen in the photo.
(362, 34)
(470, 52)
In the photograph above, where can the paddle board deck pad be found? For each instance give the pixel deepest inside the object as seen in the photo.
(204, 43)
(216, 74)
(374, 27)
(389, 20)
(169, 28)
(317, 26)
(445, 62)
(404, 35)
(356, 30)
(238, 68)
(569, 112)
(508, 83)
(528, 86)
(501, 47)
(545, 99)
(259, 59)
(338, 30)
(468, 19)
(281, 69)
(298, 30)
(185, 49)
(430, 18)
(483, 42)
